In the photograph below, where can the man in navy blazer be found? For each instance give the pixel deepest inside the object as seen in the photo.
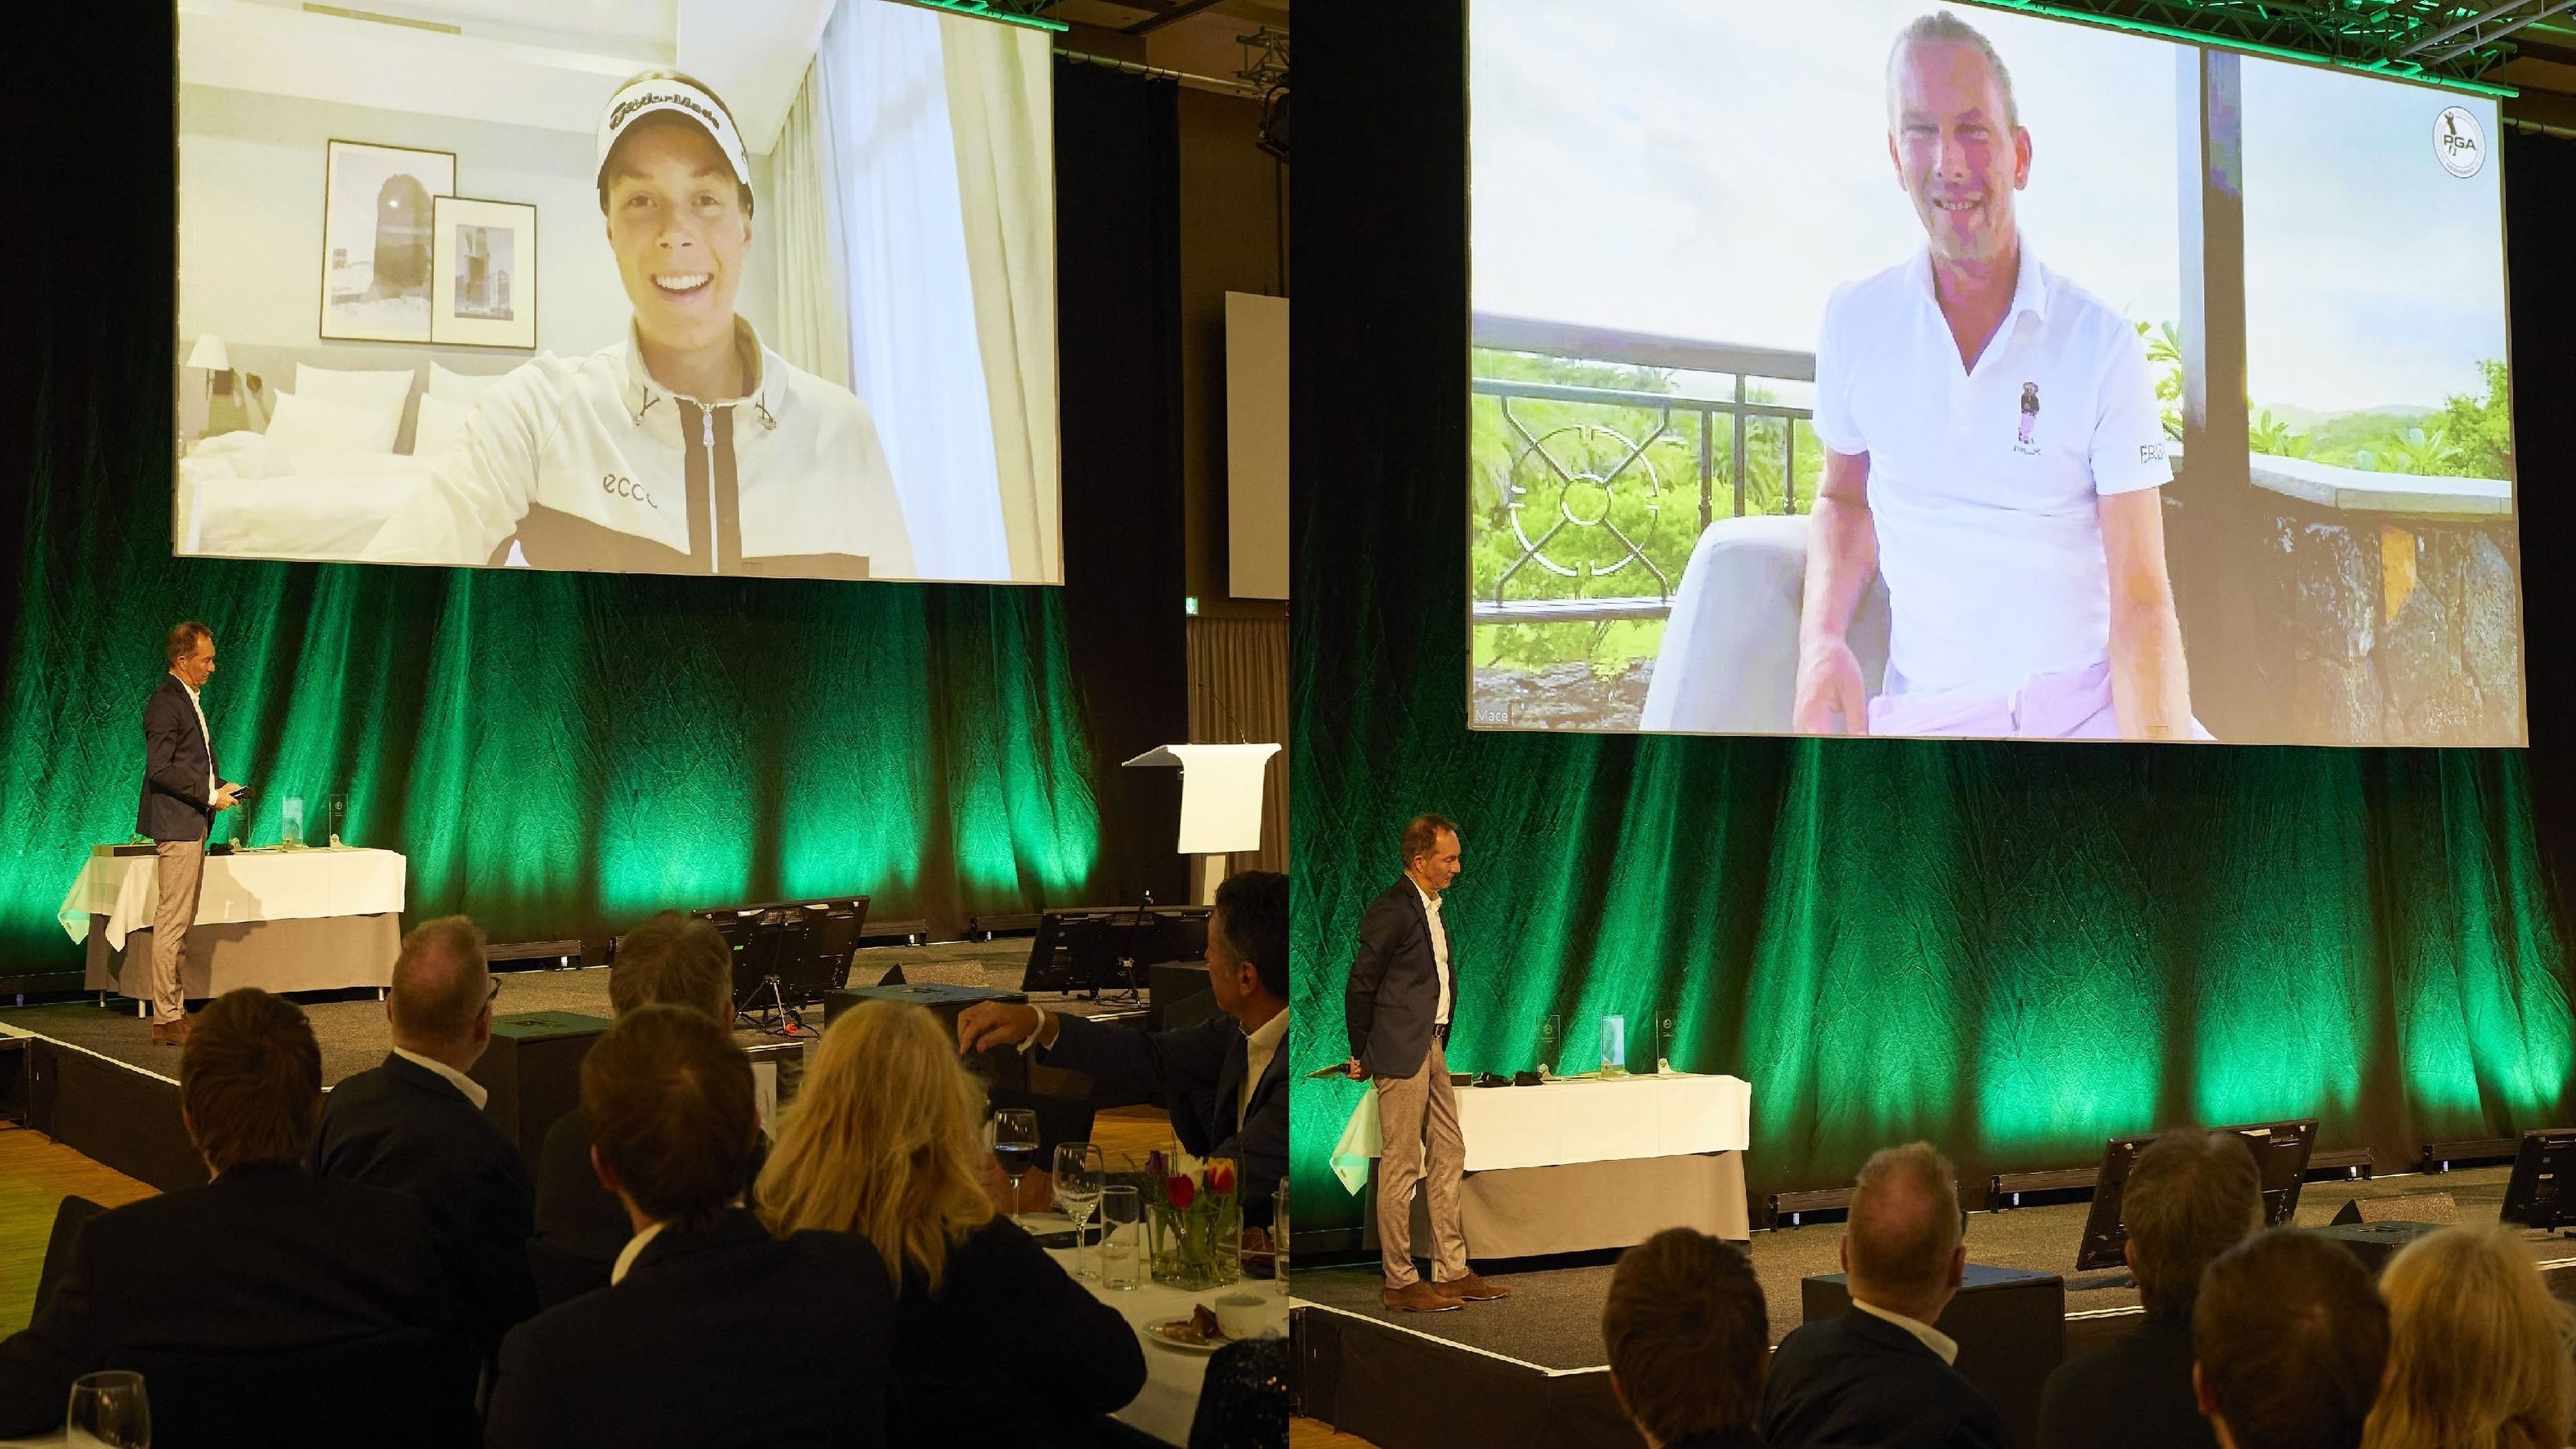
(1224, 1081)
(1881, 1374)
(1402, 995)
(415, 1124)
(181, 793)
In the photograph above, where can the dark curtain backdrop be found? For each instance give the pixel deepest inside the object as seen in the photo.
(2015, 951)
(566, 753)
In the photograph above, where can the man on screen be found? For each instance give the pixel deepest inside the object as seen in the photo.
(687, 446)
(1993, 449)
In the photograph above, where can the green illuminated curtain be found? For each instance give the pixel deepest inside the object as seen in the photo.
(2012, 951)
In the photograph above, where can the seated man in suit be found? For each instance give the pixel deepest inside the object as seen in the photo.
(1225, 1081)
(263, 1257)
(711, 1332)
(1881, 1373)
(2289, 1341)
(580, 1226)
(415, 1124)
(2191, 1196)
(1688, 1335)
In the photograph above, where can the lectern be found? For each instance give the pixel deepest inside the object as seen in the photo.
(1220, 801)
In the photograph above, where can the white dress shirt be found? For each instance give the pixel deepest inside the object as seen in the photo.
(208, 734)
(474, 1091)
(1932, 1338)
(1439, 948)
(1985, 483)
(1259, 1046)
(634, 1249)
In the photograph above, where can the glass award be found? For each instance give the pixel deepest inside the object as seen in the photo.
(1614, 1046)
(1551, 1042)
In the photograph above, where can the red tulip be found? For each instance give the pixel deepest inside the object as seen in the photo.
(1181, 1192)
(1220, 1175)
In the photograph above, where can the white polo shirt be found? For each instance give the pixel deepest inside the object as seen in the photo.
(1984, 485)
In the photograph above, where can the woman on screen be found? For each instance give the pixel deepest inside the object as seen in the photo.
(687, 446)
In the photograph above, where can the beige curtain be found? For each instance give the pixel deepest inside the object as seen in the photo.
(1239, 690)
(1000, 109)
(801, 214)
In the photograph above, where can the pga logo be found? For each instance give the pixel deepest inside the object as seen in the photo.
(2459, 142)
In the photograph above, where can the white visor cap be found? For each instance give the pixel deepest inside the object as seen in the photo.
(645, 97)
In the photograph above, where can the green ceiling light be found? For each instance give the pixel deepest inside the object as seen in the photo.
(2368, 37)
(1031, 13)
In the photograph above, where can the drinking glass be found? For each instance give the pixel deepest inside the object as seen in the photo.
(109, 1410)
(1279, 1237)
(1015, 1147)
(1079, 1171)
(1122, 1234)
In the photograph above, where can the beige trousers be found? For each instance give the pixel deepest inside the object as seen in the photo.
(1417, 1119)
(182, 868)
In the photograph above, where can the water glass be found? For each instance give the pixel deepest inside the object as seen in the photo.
(1015, 1147)
(1122, 1236)
(108, 1410)
(1079, 1176)
(1279, 1237)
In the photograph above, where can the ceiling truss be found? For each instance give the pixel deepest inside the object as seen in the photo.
(2441, 41)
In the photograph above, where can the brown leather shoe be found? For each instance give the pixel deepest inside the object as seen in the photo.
(1472, 1289)
(172, 1033)
(1419, 1297)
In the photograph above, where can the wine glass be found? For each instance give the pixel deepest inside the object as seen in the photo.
(1015, 1147)
(109, 1410)
(1079, 1173)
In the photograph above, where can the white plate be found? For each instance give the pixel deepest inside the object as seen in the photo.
(1175, 1333)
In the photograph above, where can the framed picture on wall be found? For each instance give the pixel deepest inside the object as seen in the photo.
(485, 292)
(377, 252)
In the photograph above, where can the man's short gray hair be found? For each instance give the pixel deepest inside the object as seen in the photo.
(1905, 1222)
(1943, 28)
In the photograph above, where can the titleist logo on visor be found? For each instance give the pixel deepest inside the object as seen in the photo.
(617, 114)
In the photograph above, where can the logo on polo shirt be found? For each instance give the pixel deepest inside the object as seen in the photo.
(2029, 419)
(2151, 452)
(2459, 142)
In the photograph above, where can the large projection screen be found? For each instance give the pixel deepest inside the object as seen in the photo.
(756, 287)
(1870, 367)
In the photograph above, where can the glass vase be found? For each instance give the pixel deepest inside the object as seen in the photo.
(1198, 1247)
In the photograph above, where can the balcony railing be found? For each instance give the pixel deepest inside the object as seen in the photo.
(1586, 483)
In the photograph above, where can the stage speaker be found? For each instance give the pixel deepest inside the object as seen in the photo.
(533, 1072)
(1177, 995)
(2423, 1207)
(2011, 1328)
(1003, 1067)
(2374, 1243)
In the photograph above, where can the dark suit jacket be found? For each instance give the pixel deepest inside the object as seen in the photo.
(1394, 993)
(2135, 1390)
(176, 758)
(404, 1127)
(263, 1257)
(1860, 1379)
(1011, 1352)
(581, 1227)
(728, 1337)
(1196, 1073)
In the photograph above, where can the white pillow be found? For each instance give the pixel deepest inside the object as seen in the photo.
(440, 428)
(378, 391)
(464, 387)
(302, 425)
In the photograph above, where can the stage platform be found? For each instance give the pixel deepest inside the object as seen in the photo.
(1529, 1370)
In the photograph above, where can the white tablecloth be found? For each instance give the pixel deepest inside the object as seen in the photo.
(265, 885)
(1591, 1119)
(1172, 1376)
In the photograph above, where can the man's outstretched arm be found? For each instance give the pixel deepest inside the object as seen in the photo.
(2150, 687)
(1842, 554)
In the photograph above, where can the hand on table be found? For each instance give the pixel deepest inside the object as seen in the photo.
(990, 1024)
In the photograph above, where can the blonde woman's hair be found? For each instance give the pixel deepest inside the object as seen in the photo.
(885, 1139)
(2478, 1349)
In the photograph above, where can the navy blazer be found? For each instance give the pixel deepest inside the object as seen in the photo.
(403, 1127)
(1860, 1379)
(2133, 1391)
(1196, 1073)
(1393, 999)
(177, 757)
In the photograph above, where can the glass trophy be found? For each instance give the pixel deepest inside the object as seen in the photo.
(1668, 1023)
(1551, 1042)
(1614, 1046)
(339, 817)
(291, 818)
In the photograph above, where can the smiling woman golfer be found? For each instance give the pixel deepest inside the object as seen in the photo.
(686, 447)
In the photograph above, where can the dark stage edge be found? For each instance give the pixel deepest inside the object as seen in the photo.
(1530, 1369)
(96, 1083)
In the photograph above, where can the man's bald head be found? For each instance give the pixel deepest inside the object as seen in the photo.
(1902, 1245)
(441, 985)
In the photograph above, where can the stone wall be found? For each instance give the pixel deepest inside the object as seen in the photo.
(2396, 630)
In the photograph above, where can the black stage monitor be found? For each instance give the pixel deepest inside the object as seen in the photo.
(2536, 1195)
(1096, 948)
(788, 953)
(2280, 1154)
(1068, 949)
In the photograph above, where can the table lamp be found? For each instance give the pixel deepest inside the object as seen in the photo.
(211, 355)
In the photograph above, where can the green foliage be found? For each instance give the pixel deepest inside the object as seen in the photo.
(2164, 354)
(2467, 437)
(2481, 429)
(2268, 434)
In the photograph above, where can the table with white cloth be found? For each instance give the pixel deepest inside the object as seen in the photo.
(319, 919)
(1581, 1163)
(1170, 1398)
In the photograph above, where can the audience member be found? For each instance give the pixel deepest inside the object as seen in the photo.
(2191, 1196)
(415, 1124)
(2288, 1341)
(1224, 1081)
(1688, 1335)
(262, 1257)
(994, 1343)
(580, 1226)
(711, 1332)
(2477, 1349)
(1881, 1373)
